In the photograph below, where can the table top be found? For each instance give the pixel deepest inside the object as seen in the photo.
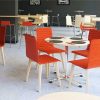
(69, 96)
(69, 41)
(22, 16)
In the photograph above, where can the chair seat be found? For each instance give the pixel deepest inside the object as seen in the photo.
(88, 28)
(81, 52)
(1, 45)
(83, 63)
(51, 50)
(43, 59)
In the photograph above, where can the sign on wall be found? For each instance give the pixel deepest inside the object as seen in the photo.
(35, 2)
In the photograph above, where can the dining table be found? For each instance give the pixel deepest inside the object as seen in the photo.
(69, 96)
(37, 17)
(67, 42)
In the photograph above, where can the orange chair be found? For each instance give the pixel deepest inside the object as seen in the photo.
(32, 54)
(92, 61)
(93, 34)
(26, 27)
(86, 28)
(10, 35)
(2, 41)
(42, 34)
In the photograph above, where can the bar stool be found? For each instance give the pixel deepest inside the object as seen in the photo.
(10, 35)
(55, 20)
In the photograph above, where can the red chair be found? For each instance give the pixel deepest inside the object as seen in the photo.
(86, 28)
(92, 61)
(2, 41)
(93, 34)
(10, 35)
(33, 55)
(42, 34)
(26, 27)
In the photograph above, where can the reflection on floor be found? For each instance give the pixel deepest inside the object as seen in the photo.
(12, 76)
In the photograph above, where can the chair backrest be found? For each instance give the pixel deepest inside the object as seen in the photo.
(2, 35)
(5, 23)
(42, 34)
(88, 21)
(45, 19)
(93, 22)
(78, 20)
(31, 47)
(68, 20)
(93, 34)
(94, 54)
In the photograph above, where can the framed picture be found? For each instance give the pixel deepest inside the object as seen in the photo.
(63, 2)
(35, 2)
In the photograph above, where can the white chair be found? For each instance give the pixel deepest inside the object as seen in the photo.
(69, 21)
(87, 21)
(94, 22)
(45, 19)
(76, 24)
(78, 21)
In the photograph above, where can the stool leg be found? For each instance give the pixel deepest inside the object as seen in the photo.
(58, 21)
(14, 34)
(20, 37)
(10, 35)
(52, 21)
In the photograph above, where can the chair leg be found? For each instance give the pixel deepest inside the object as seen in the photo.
(75, 56)
(28, 69)
(10, 36)
(74, 30)
(3, 58)
(87, 81)
(54, 65)
(47, 70)
(64, 69)
(82, 34)
(39, 77)
(15, 37)
(66, 48)
(71, 75)
(20, 36)
(58, 74)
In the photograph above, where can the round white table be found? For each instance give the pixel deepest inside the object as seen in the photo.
(67, 41)
(69, 96)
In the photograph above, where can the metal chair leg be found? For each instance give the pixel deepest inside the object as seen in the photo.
(3, 58)
(58, 74)
(64, 69)
(39, 77)
(71, 75)
(10, 35)
(47, 70)
(28, 69)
